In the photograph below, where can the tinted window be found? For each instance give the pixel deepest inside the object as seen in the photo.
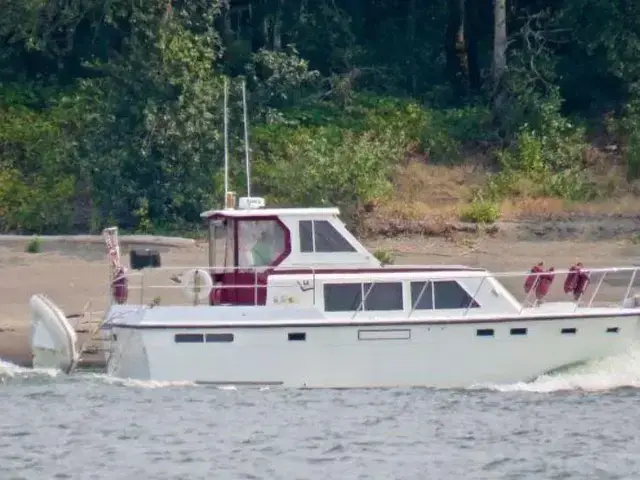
(297, 337)
(328, 239)
(485, 332)
(422, 293)
(188, 338)
(383, 296)
(219, 337)
(306, 236)
(342, 297)
(449, 295)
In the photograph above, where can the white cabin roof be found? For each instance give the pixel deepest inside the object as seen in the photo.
(269, 212)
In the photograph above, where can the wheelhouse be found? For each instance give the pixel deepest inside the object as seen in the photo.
(257, 254)
(247, 245)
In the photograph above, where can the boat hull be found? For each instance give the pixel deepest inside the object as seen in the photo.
(453, 355)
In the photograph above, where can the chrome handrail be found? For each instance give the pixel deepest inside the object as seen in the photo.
(405, 275)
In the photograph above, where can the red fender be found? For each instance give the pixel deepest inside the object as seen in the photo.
(581, 284)
(215, 296)
(532, 279)
(572, 278)
(542, 289)
(120, 287)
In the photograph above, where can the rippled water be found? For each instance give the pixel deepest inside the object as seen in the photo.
(580, 424)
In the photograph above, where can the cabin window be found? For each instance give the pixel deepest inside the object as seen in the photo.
(321, 236)
(347, 297)
(219, 337)
(342, 297)
(221, 243)
(306, 236)
(188, 338)
(421, 295)
(450, 295)
(484, 332)
(260, 242)
(383, 296)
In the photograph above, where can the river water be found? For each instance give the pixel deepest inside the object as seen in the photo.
(579, 424)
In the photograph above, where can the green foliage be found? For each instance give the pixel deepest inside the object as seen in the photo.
(545, 162)
(280, 79)
(112, 111)
(480, 211)
(384, 256)
(37, 185)
(34, 245)
(628, 127)
(438, 133)
(324, 165)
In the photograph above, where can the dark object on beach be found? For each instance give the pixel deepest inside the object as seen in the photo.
(143, 258)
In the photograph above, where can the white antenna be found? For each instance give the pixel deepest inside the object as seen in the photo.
(226, 140)
(246, 136)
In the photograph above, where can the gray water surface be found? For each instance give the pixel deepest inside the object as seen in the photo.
(582, 424)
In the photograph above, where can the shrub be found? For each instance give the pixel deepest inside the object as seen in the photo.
(480, 211)
(34, 245)
(324, 165)
(384, 256)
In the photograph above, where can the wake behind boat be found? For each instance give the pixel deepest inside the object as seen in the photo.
(290, 297)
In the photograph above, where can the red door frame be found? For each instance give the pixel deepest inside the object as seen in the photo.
(251, 287)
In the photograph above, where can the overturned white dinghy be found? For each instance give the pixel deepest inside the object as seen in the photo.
(53, 339)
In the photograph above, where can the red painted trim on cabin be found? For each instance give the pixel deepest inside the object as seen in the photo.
(250, 218)
(258, 295)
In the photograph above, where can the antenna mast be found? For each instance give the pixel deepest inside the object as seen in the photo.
(226, 140)
(246, 136)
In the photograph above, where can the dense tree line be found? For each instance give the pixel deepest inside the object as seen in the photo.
(111, 110)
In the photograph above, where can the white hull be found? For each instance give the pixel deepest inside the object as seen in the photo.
(53, 339)
(402, 355)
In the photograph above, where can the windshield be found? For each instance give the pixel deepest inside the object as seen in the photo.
(260, 242)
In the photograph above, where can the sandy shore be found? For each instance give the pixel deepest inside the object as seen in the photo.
(74, 274)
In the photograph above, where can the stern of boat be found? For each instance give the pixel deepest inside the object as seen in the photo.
(53, 340)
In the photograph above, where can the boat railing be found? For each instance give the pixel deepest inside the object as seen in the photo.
(165, 284)
(612, 286)
(607, 287)
(622, 281)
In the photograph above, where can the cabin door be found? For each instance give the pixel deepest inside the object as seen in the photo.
(261, 246)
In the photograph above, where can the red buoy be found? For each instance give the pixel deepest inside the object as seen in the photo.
(215, 296)
(533, 278)
(581, 284)
(120, 287)
(577, 281)
(572, 278)
(542, 289)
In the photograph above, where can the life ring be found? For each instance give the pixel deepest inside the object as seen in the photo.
(197, 284)
(542, 289)
(533, 278)
(120, 287)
